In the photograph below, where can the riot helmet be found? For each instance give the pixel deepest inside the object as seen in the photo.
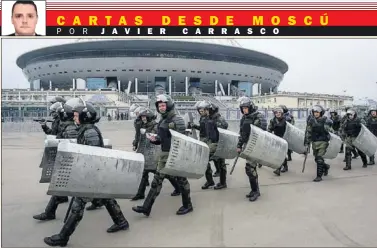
(54, 109)
(371, 110)
(164, 99)
(138, 110)
(67, 112)
(351, 113)
(86, 111)
(57, 99)
(246, 102)
(319, 109)
(148, 114)
(213, 108)
(203, 107)
(285, 109)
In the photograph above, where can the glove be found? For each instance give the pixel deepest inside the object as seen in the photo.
(134, 148)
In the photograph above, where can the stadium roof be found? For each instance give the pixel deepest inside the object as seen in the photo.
(157, 45)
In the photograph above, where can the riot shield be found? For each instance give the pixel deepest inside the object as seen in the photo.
(295, 138)
(366, 141)
(48, 136)
(227, 145)
(149, 150)
(49, 156)
(189, 118)
(265, 148)
(188, 157)
(95, 172)
(333, 149)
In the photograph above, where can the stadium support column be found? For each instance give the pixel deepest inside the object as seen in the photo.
(170, 85)
(228, 89)
(216, 87)
(119, 86)
(259, 89)
(186, 86)
(136, 86)
(73, 84)
(50, 86)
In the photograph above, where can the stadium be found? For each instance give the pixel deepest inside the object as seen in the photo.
(216, 67)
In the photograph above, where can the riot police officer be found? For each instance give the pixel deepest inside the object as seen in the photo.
(54, 130)
(137, 126)
(250, 116)
(342, 121)
(148, 122)
(68, 130)
(351, 128)
(84, 115)
(336, 124)
(220, 165)
(278, 126)
(318, 134)
(169, 120)
(371, 124)
(291, 119)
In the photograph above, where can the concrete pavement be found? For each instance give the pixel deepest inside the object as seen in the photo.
(292, 211)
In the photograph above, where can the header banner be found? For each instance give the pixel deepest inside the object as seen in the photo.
(241, 19)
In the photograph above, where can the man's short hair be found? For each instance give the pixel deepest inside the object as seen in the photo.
(25, 2)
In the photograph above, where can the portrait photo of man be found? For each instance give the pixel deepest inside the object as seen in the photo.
(23, 18)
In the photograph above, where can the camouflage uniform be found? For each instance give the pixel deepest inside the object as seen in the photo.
(353, 150)
(371, 124)
(351, 128)
(318, 134)
(291, 119)
(257, 119)
(90, 135)
(278, 127)
(151, 127)
(168, 121)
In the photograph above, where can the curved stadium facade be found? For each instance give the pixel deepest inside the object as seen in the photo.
(138, 66)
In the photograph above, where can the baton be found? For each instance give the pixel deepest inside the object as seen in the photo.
(234, 164)
(306, 156)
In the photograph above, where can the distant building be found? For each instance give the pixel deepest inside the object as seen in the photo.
(301, 100)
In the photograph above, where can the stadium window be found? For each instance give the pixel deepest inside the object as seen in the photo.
(54, 73)
(98, 70)
(148, 69)
(115, 70)
(56, 65)
(39, 68)
(227, 74)
(214, 72)
(43, 74)
(124, 69)
(60, 72)
(74, 71)
(199, 71)
(183, 70)
(107, 70)
(89, 70)
(140, 69)
(207, 72)
(131, 69)
(221, 73)
(35, 69)
(192, 71)
(239, 75)
(174, 70)
(50, 66)
(234, 74)
(65, 72)
(165, 70)
(80, 70)
(158, 70)
(48, 74)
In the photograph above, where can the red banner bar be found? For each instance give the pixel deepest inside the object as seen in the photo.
(211, 18)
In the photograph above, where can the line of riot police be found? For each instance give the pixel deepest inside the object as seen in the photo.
(258, 142)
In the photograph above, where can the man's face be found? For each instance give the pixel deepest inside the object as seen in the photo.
(316, 114)
(76, 118)
(278, 114)
(373, 113)
(24, 19)
(162, 107)
(144, 119)
(245, 110)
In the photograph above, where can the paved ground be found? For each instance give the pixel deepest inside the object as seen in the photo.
(292, 211)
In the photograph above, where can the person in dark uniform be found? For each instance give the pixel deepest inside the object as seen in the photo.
(84, 115)
(351, 128)
(67, 130)
(54, 130)
(277, 126)
(291, 119)
(353, 150)
(169, 120)
(371, 124)
(250, 116)
(318, 134)
(148, 122)
(336, 124)
(219, 162)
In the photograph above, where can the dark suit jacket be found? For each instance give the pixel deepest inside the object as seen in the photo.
(14, 34)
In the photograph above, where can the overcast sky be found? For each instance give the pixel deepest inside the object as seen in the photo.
(315, 65)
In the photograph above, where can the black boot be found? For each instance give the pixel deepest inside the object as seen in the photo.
(355, 154)
(289, 156)
(277, 171)
(284, 166)
(209, 178)
(222, 183)
(69, 227)
(254, 194)
(152, 195)
(342, 149)
(326, 169)
(174, 183)
(52, 205)
(364, 160)
(371, 160)
(320, 167)
(96, 204)
(141, 191)
(348, 162)
(186, 203)
(120, 222)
